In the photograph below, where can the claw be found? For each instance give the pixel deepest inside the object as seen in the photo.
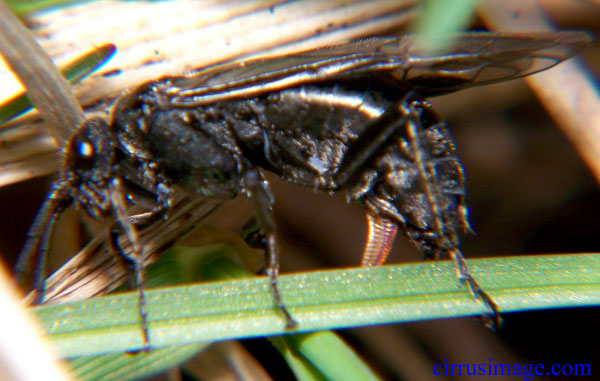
(490, 319)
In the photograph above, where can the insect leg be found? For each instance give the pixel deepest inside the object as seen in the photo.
(122, 257)
(258, 191)
(39, 238)
(367, 145)
(447, 235)
(117, 199)
(139, 221)
(492, 320)
(253, 235)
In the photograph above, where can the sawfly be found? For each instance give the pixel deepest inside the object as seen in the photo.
(349, 118)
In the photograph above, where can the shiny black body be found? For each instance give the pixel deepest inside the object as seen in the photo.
(309, 135)
(349, 118)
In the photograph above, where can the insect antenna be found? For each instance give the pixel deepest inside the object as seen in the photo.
(40, 236)
(135, 257)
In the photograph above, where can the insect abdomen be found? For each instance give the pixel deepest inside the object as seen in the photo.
(416, 180)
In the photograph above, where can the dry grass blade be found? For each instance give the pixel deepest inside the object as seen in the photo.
(74, 72)
(227, 360)
(567, 91)
(20, 328)
(96, 271)
(47, 88)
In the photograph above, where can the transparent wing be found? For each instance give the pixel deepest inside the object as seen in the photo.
(482, 58)
(474, 59)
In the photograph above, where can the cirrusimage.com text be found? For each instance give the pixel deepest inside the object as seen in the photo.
(526, 371)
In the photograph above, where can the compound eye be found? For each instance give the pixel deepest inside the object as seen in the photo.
(83, 152)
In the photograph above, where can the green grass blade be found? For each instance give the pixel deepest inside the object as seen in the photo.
(330, 355)
(319, 355)
(211, 261)
(88, 63)
(74, 72)
(441, 19)
(124, 366)
(319, 300)
(22, 7)
(303, 369)
(167, 271)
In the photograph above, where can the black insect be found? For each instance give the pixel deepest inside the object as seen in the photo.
(349, 118)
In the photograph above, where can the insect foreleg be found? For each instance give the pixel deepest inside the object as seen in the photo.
(122, 257)
(139, 221)
(257, 189)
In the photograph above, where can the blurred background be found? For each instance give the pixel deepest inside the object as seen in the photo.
(529, 192)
